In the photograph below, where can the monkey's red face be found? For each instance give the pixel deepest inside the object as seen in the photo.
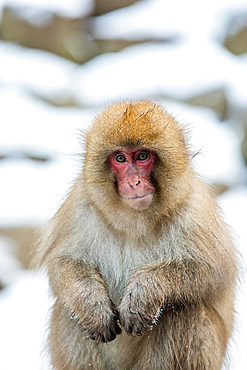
(133, 170)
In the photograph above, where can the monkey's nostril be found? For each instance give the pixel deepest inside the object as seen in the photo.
(134, 183)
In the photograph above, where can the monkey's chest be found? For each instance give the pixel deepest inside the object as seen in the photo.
(119, 264)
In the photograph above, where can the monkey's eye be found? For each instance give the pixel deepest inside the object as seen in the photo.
(142, 157)
(120, 158)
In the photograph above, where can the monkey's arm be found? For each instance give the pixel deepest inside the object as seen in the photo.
(164, 285)
(80, 289)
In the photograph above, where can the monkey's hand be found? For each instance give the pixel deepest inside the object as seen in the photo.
(99, 321)
(81, 290)
(141, 304)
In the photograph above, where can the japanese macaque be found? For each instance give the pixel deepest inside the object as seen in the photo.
(140, 262)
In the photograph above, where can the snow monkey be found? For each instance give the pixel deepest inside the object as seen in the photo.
(140, 262)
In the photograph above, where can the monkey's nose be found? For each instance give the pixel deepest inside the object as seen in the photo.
(133, 183)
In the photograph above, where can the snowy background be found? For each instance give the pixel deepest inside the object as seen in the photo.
(175, 52)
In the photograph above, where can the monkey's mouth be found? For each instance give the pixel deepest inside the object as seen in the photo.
(139, 202)
(139, 196)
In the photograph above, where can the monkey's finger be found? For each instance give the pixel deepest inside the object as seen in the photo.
(107, 336)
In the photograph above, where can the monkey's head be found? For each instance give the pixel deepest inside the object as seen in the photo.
(137, 161)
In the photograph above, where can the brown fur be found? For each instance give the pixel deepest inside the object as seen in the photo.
(165, 274)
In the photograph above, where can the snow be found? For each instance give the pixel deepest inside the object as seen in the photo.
(30, 191)
(23, 320)
(37, 125)
(158, 18)
(34, 127)
(180, 70)
(36, 70)
(34, 10)
(9, 266)
(217, 163)
(234, 205)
